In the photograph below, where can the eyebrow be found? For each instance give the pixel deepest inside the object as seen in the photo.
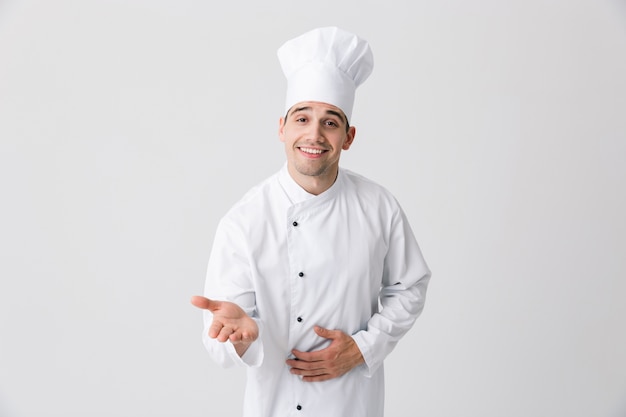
(331, 112)
(336, 113)
(299, 109)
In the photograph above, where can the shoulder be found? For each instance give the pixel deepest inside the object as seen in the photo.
(367, 189)
(254, 201)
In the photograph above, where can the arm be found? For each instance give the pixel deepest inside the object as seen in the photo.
(228, 279)
(402, 295)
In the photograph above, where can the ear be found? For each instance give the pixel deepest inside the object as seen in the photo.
(349, 138)
(281, 129)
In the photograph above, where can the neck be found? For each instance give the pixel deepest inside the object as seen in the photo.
(314, 184)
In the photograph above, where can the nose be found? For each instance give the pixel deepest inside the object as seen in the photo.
(315, 131)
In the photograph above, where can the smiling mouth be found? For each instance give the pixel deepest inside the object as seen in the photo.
(312, 151)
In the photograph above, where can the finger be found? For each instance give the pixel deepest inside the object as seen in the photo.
(316, 374)
(318, 378)
(303, 365)
(240, 337)
(225, 334)
(306, 373)
(306, 356)
(327, 333)
(215, 329)
(204, 303)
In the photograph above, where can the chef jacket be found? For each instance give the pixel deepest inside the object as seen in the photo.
(345, 259)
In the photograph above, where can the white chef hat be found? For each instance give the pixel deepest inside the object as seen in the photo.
(326, 65)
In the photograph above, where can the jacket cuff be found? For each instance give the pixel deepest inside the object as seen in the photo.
(365, 343)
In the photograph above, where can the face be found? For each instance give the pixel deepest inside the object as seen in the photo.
(314, 135)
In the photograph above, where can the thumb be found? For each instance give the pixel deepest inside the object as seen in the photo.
(325, 333)
(204, 303)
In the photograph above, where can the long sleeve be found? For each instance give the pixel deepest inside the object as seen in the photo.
(228, 279)
(402, 295)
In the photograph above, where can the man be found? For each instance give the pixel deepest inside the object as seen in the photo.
(315, 274)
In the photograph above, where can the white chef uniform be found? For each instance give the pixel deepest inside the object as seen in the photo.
(346, 259)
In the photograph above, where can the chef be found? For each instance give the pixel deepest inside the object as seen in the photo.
(315, 274)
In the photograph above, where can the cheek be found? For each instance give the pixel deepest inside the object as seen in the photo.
(287, 140)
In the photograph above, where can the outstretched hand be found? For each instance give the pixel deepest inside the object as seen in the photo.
(339, 357)
(230, 322)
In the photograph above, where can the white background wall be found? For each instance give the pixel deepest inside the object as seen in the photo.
(127, 128)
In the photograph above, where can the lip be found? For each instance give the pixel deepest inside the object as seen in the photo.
(312, 155)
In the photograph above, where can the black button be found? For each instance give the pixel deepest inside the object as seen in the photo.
(299, 319)
(299, 407)
(295, 223)
(301, 274)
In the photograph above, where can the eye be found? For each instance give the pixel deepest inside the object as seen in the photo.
(331, 123)
(300, 119)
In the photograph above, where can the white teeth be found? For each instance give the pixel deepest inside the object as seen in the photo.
(310, 150)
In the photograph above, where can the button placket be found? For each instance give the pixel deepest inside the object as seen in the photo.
(299, 319)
